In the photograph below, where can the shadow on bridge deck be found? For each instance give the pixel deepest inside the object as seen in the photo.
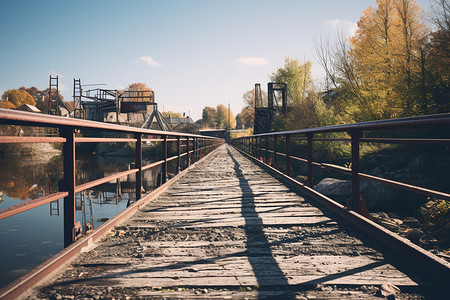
(256, 239)
(228, 229)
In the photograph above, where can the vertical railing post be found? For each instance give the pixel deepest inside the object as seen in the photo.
(69, 185)
(188, 155)
(275, 147)
(309, 138)
(138, 165)
(267, 150)
(194, 146)
(203, 147)
(288, 157)
(260, 149)
(178, 155)
(164, 166)
(356, 135)
(252, 148)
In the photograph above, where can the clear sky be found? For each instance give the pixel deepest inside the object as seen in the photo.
(192, 53)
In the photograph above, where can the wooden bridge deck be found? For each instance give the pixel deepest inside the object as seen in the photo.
(228, 229)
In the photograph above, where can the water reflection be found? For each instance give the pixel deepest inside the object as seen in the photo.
(29, 238)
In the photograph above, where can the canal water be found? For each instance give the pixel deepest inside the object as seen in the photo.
(29, 238)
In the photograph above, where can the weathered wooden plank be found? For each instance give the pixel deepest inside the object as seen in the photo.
(224, 222)
(206, 215)
(227, 223)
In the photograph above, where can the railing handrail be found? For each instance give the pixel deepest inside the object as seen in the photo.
(436, 119)
(200, 144)
(250, 145)
(14, 117)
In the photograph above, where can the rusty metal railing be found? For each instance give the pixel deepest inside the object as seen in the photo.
(253, 145)
(418, 258)
(190, 147)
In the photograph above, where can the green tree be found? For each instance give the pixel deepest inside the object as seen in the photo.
(245, 118)
(166, 114)
(18, 97)
(298, 79)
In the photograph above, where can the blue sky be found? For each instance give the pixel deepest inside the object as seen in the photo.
(191, 53)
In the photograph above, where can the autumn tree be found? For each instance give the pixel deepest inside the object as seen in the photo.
(249, 97)
(223, 115)
(245, 118)
(42, 98)
(140, 90)
(209, 117)
(386, 53)
(18, 97)
(6, 104)
(380, 72)
(33, 91)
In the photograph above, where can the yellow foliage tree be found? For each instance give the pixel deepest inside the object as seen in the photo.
(385, 51)
(222, 117)
(6, 104)
(140, 90)
(18, 97)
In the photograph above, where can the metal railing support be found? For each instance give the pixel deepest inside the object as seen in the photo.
(187, 152)
(194, 146)
(260, 149)
(164, 166)
(288, 158)
(178, 155)
(275, 146)
(69, 184)
(356, 135)
(138, 165)
(309, 147)
(266, 159)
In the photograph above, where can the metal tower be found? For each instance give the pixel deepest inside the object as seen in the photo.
(53, 97)
(77, 91)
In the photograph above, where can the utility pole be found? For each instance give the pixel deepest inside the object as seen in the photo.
(229, 123)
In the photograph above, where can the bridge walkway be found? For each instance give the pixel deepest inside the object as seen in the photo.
(229, 229)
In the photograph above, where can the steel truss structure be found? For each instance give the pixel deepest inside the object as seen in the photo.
(265, 110)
